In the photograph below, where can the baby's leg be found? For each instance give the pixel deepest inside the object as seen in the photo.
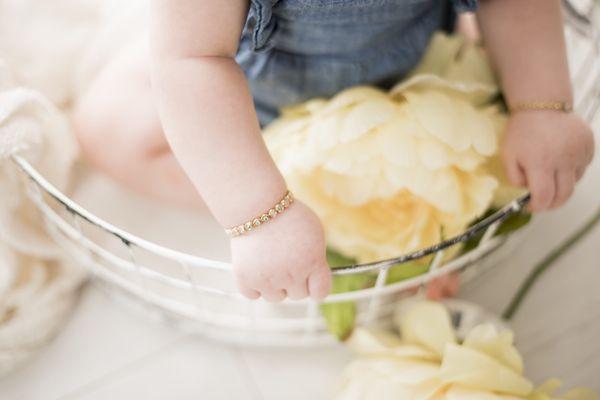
(118, 129)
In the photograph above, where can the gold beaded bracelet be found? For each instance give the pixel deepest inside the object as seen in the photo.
(277, 209)
(542, 105)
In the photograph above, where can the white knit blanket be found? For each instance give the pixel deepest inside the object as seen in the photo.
(42, 44)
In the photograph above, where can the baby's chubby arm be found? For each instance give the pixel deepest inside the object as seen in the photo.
(547, 151)
(209, 119)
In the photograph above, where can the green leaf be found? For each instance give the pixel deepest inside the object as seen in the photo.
(405, 271)
(350, 283)
(512, 223)
(340, 317)
(336, 259)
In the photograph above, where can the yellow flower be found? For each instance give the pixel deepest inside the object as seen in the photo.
(392, 172)
(428, 363)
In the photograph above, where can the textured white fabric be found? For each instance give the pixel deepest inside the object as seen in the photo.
(36, 288)
(41, 43)
(49, 50)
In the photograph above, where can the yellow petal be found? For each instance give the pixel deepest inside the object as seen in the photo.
(475, 93)
(364, 116)
(372, 341)
(303, 109)
(414, 352)
(486, 339)
(405, 371)
(433, 154)
(440, 116)
(373, 387)
(471, 67)
(397, 142)
(323, 131)
(463, 365)
(452, 62)
(353, 190)
(546, 391)
(352, 96)
(426, 324)
(462, 393)
(441, 52)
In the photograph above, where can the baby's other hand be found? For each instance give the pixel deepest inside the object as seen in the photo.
(284, 257)
(548, 152)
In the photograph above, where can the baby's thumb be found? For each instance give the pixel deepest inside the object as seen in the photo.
(319, 283)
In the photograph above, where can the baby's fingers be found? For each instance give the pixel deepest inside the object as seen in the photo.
(249, 293)
(274, 295)
(579, 171)
(565, 184)
(514, 173)
(319, 283)
(298, 290)
(541, 185)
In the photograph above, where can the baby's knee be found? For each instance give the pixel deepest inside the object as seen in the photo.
(104, 141)
(112, 141)
(91, 131)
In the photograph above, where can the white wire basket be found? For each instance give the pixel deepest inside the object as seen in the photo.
(180, 287)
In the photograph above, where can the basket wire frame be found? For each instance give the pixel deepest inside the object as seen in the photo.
(136, 282)
(63, 219)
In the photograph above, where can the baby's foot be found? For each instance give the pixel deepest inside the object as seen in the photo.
(444, 286)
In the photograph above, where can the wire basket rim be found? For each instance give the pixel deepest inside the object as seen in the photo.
(130, 239)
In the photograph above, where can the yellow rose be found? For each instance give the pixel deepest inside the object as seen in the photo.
(428, 363)
(392, 172)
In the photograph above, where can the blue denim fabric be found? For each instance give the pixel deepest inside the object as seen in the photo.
(293, 50)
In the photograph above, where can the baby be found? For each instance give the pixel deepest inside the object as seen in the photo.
(181, 119)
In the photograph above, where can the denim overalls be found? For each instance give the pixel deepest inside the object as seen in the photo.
(293, 50)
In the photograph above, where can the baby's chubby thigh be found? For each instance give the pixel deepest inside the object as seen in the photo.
(115, 120)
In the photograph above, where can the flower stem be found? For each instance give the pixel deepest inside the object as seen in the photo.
(543, 265)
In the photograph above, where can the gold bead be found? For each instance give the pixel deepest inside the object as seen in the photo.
(264, 218)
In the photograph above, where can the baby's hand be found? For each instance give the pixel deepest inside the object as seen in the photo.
(547, 151)
(283, 258)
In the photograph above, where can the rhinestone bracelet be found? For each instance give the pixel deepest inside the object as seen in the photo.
(277, 209)
(543, 105)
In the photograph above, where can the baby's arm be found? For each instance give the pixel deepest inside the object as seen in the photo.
(547, 151)
(209, 119)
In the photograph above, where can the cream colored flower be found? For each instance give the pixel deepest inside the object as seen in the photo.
(429, 364)
(392, 172)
